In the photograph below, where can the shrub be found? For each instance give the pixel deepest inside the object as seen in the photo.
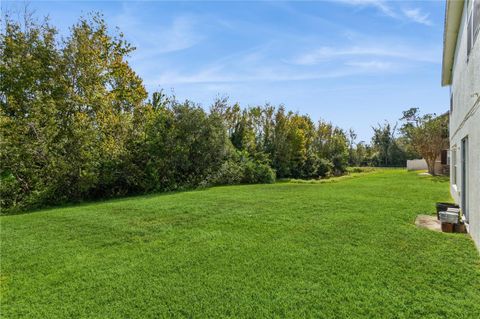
(10, 192)
(357, 169)
(238, 170)
(325, 167)
(230, 173)
(256, 172)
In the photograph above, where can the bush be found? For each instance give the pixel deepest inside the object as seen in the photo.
(230, 173)
(241, 170)
(357, 169)
(340, 164)
(325, 167)
(256, 172)
(10, 192)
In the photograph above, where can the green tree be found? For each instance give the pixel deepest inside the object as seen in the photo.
(331, 143)
(352, 137)
(387, 149)
(104, 95)
(76, 124)
(32, 101)
(427, 134)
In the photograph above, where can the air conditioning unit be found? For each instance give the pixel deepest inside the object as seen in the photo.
(450, 216)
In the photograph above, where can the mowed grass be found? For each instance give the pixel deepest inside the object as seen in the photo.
(345, 249)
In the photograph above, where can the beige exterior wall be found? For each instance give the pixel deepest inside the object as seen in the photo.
(465, 122)
(421, 164)
(417, 165)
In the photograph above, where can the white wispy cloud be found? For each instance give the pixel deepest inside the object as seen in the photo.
(227, 72)
(268, 61)
(381, 5)
(418, 16)
(180, 33)
(261, 64)
(373, 65)
(324, 54)
(415, 15)
(265, 75)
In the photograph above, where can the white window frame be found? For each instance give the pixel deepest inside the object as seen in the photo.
(454, 161)
(476, 19)
(473, 24)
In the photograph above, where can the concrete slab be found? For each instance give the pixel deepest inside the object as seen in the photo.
(428, 221)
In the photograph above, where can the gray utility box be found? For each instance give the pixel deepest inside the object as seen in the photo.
(449, 217)
(454, 210)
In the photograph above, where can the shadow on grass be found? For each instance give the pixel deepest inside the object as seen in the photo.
(113, 199)
(88, 202)
(438, 178)
(350, 173)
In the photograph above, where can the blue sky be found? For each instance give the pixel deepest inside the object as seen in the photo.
(353, 62)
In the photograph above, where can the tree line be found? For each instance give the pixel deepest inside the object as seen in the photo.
(77, 123)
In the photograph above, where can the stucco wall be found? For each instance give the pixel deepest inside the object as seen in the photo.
(421, 164)
(416, 165)
(465, 121)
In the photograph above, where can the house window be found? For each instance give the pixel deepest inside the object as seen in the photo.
(454, 165)
(469, 36)
(473, 25)
(444, 157)
(476, 19)
(451, 98)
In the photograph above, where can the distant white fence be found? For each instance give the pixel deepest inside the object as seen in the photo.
(416, 164)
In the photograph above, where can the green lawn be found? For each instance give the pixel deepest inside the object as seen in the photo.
(346, 249)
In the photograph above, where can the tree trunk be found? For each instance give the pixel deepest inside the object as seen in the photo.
(431, 165)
